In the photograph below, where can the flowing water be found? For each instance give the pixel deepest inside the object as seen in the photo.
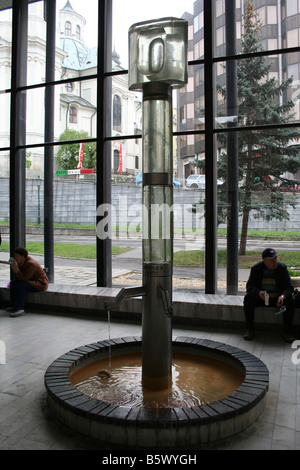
(197, 380)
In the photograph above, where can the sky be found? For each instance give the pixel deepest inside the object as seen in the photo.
(125, 14)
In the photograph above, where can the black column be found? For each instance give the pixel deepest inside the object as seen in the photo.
(232, 151)
(18, 126)
(211, 270)
(50, 17)
(104, 87)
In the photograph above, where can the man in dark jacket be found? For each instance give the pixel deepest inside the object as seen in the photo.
(30, 277)
(270, 284)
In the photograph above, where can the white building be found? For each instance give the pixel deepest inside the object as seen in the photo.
(75, 103)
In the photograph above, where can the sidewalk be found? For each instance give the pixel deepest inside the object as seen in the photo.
(68, 271)
(127, 270)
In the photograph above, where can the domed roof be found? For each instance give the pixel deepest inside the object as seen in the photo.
(79, 56)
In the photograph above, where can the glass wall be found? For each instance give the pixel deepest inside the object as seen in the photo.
(5, 106)
(5, 94)
(258, 95)
(235, 145)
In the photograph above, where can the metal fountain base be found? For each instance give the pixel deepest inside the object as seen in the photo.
(157, 428)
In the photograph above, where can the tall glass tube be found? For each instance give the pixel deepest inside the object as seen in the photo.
(157, 173)
(158, 61)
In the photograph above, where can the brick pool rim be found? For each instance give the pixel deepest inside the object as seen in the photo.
(157, 428)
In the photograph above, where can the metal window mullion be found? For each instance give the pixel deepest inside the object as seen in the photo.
(210, 156)
(18, 125)
(104, 87)
(232, 152)
(50, 13)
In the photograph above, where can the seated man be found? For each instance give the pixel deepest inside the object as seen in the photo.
(30, 277)
(270, 277)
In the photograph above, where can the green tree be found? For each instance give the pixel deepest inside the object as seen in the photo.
(68, 155)
(28, 161)
(266, 155)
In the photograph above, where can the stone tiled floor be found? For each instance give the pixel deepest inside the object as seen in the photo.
(33, 341)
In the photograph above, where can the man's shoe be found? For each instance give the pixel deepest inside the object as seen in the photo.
(17, 313)
(249, 334)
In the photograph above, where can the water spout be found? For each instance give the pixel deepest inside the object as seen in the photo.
(125, 293)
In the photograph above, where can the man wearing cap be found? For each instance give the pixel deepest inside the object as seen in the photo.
(269, 283)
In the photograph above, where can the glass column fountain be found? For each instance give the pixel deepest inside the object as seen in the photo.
(157, 63)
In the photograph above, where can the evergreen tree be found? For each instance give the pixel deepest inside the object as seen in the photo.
(265, 156)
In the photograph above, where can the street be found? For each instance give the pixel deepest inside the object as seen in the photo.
(179, 243)
(132, 260)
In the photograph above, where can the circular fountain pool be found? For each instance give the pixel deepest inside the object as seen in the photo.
(196, 380)
(191, 413)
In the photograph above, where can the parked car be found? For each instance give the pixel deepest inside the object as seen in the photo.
(197, 181)
(139, 179)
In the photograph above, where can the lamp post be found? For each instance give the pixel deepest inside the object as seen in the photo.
(39, 182)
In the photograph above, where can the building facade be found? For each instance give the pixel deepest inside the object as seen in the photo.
(75, 101)
(280, 21)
